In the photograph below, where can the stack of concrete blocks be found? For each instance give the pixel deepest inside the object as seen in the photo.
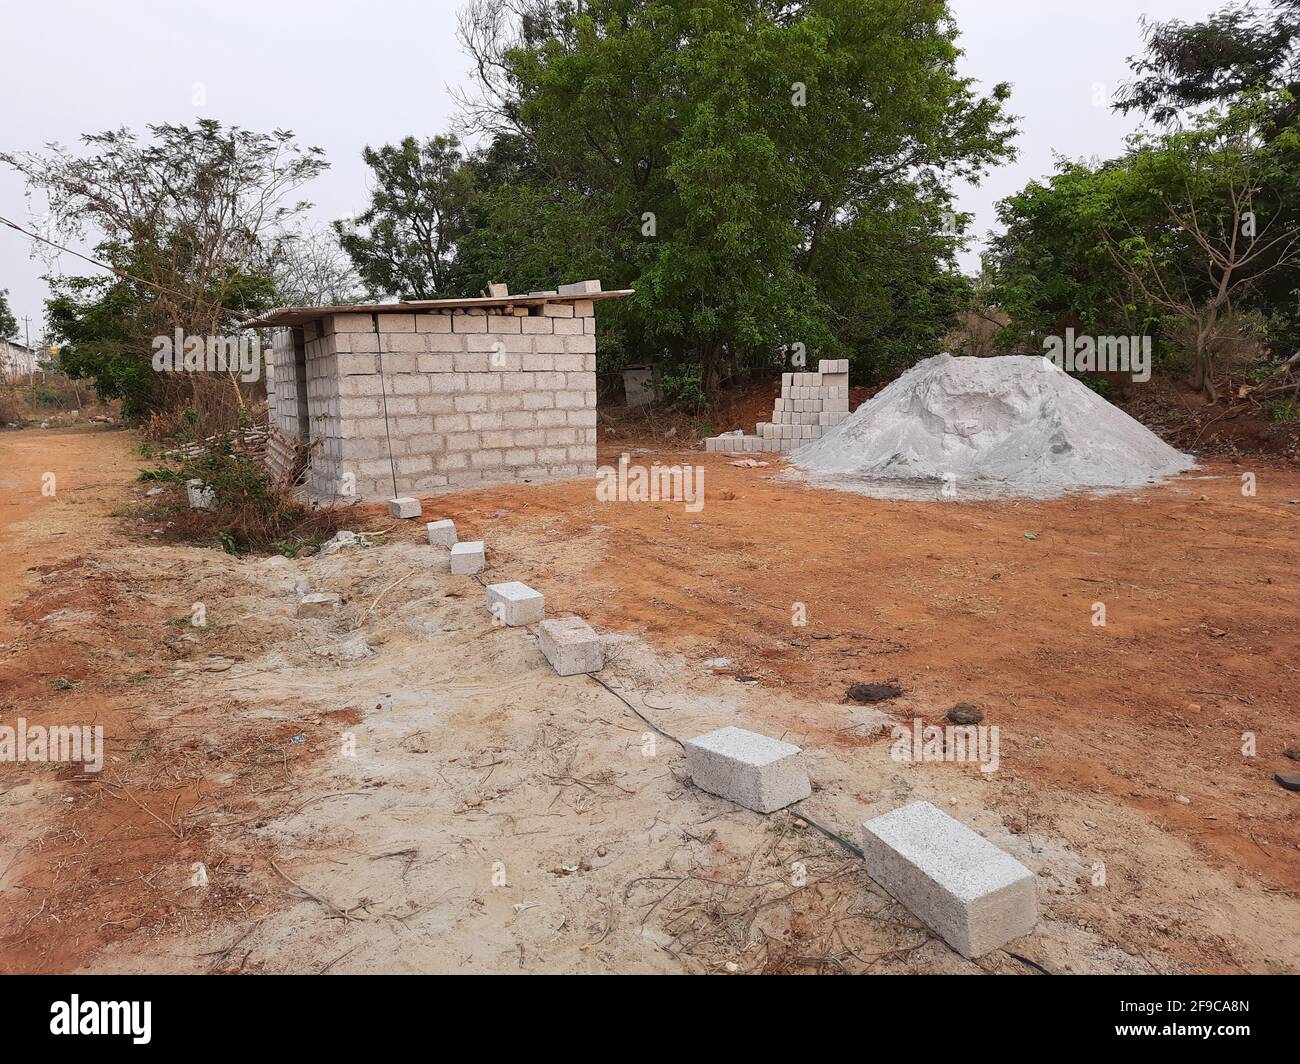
(973, 895)
(468, 395)
(810, 404)
(750, 769)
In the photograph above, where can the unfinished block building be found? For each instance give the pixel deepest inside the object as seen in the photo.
(416, 397)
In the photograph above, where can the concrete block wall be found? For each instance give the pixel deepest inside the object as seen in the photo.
(810, 404)
(474, 395)
(281, 403)
(326, 468)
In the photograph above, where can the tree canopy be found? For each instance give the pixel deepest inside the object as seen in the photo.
(761, 173)
(8, 323)
(1197, 220)
(404, 243)
(188, 220)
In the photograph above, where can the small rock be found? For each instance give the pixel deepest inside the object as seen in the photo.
(1182, 799)
(1288, 780)
(343, 538)
(1090, 823)
(601, 851)
(732, 966)
(319, 604)
(870, 693)
(965, 713)
(1015, 825)
(355, 649)
(1293, 752)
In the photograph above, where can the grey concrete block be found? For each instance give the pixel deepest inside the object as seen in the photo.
(318, 604)
(961, 886)
(404, 507)
(201, 497)
(514, 603)
(571, 646)
(753, 770)
(467, 558)
(441, 533)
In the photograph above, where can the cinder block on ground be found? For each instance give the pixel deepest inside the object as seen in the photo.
(318, 604)
(961, 886)
(514, 603)
(571, 646)
(201, 497)
(404, 507)
(753, 770)
(467, 558)
(441, 533)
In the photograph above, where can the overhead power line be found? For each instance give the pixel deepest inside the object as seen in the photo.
(102, 265)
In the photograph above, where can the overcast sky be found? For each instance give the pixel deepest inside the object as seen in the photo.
(343, 75)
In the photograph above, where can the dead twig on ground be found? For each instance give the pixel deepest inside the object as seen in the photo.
(126, 790)
(381, 594)
(342, 914)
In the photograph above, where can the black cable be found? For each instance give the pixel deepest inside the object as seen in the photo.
(851, 847)
(105, 266)
(834, 836)
(633, 708)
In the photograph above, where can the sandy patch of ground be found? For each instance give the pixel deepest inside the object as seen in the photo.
(495, 817)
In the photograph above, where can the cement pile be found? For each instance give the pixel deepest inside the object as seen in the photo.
(1007, 427)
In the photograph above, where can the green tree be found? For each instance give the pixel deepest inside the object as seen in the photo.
(1243, 51)
(187, 219)
(1050, 266)
(762, 173)
(405, 242)
(8, 323)
(1237, 50)
(99, 322)
(1181, 228)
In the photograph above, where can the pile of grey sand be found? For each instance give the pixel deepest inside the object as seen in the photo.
(1005, 427)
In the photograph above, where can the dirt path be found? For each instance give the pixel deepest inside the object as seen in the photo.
(404, 787)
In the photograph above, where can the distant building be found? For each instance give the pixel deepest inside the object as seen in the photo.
(17, 360)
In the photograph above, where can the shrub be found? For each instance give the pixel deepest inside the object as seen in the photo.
(254, 511)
